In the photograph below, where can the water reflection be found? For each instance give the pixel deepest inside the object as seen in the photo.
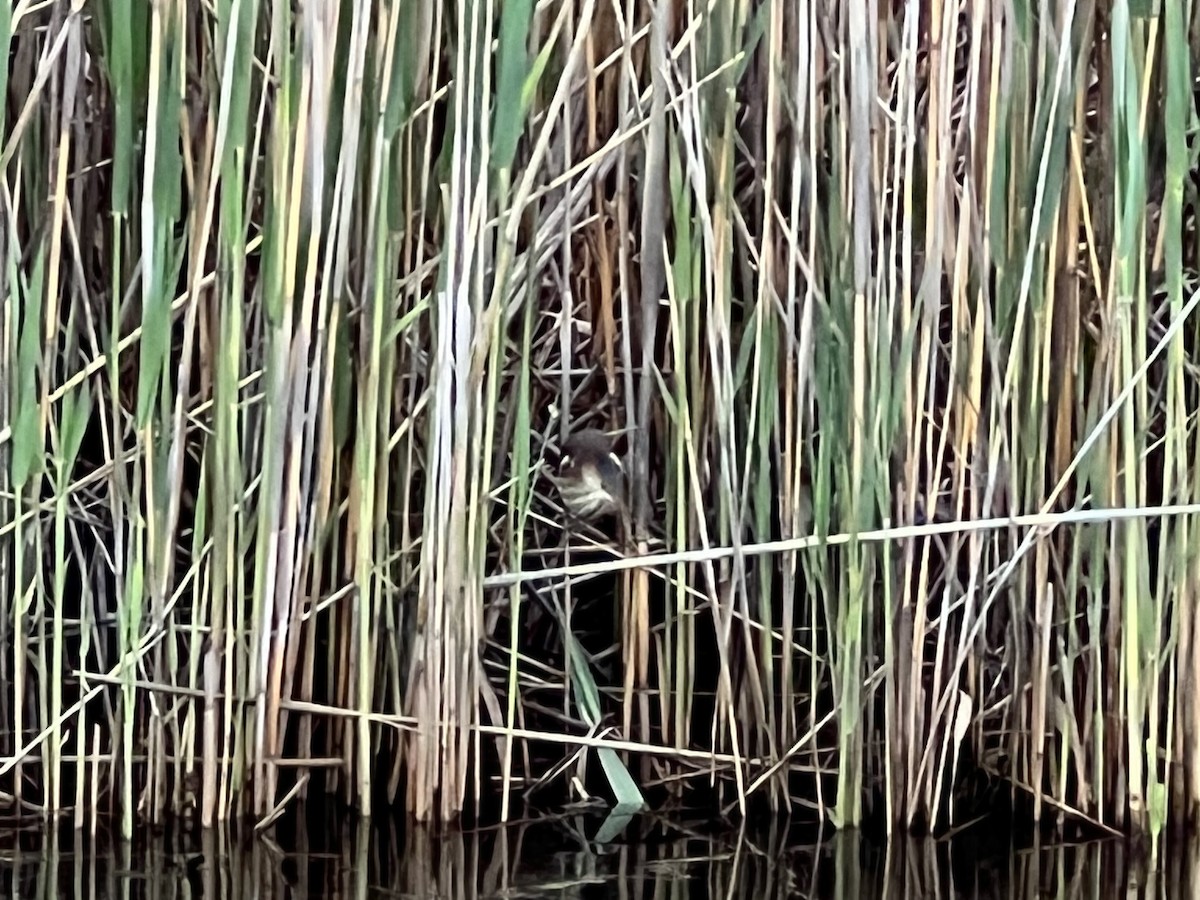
(557, 859)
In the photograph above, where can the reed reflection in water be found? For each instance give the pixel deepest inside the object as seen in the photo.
(555, 859)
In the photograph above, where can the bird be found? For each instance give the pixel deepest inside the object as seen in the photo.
(591, 478)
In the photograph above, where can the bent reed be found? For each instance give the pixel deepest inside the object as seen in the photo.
(298, 301)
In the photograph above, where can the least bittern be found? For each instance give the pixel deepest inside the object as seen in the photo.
(591, 478)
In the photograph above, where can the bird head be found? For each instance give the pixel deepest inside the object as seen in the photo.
(591, 477)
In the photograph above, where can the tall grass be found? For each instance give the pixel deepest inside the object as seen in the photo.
(896, 302)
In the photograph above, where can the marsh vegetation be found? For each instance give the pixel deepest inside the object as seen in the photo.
(897, 301)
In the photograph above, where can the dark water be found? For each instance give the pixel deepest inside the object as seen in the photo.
(559, 859)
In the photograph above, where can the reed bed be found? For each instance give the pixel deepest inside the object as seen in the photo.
(896, 301)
